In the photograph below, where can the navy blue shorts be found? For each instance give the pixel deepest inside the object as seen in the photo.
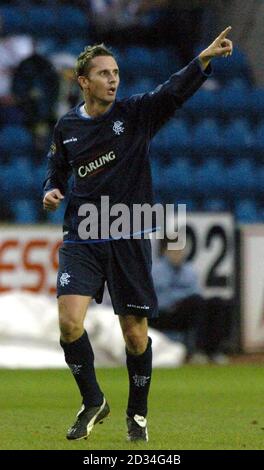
(125, 265)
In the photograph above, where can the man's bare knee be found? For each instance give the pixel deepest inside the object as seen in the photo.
(135, 333)
(70, 330)
(72, 310)
(136, 343)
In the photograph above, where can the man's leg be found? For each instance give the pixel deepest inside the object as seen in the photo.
(139, 366)
(80, 359)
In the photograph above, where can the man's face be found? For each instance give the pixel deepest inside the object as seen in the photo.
(103, 79)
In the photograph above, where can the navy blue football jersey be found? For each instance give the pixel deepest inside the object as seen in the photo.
(109, 155)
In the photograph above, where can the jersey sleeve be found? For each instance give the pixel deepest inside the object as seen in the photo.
(58, 169)
(159, 105)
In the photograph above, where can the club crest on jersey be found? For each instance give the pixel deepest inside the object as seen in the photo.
(118, 127)
(52, 148)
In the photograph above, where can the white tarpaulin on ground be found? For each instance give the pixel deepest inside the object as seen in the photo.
(29, 335)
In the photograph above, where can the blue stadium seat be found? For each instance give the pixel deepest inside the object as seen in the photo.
(157, 175)
(142, 85)
(246, 211)
(137, 58)
(38, 178)
(25, 211)
(259, 179)
(204, 103)
(214, 205)
(173, 140)
(237, 138)
(235, 66)
(41, 20)
(168, 62)
(71, 22)
(15, 139)
(257, 102)
(241, 177)
(261, 214)
(11, 115)
(13, 21)
(208, 178)
(191, 204)
(258, 143)
(206, 137)
(140, 57)
(235, 101)
(178, 134)
(18, 177)
(177, 177)
(56, 217)
(76, 46)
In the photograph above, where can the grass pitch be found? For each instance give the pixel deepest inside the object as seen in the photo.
(193, 407)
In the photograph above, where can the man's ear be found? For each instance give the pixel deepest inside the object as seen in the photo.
(83, 82)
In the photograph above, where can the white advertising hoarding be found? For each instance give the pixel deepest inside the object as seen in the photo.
(211, 248)
(29, 258)
(252, 288)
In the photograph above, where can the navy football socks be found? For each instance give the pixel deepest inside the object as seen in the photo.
(139, 371)
(80, 358)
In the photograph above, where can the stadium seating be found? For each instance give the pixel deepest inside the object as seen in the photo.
(40, 20)
(11, 115)
(71, 22)
(240, 178)
(205, 138)
(211, 155)
(203, 104)
(237, 139)
(258, 143)
(214, 205)
(172, 141)
(237, 66)
(15, 141)
(246, 211)
(257, 103)
(209, 178)
(13, 20)
(177, 178)
(25, 211)
(57, 216)
(235, 100)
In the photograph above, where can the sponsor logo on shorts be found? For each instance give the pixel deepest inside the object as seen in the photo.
(143, 307)
(64, 279)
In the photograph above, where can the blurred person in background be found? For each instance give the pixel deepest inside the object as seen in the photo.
(69, 91)
(184, 308)
(116, 21)
(181, 24)
(35, 87)
(13, 49)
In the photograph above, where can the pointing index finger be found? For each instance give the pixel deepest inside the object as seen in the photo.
(225, 32)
